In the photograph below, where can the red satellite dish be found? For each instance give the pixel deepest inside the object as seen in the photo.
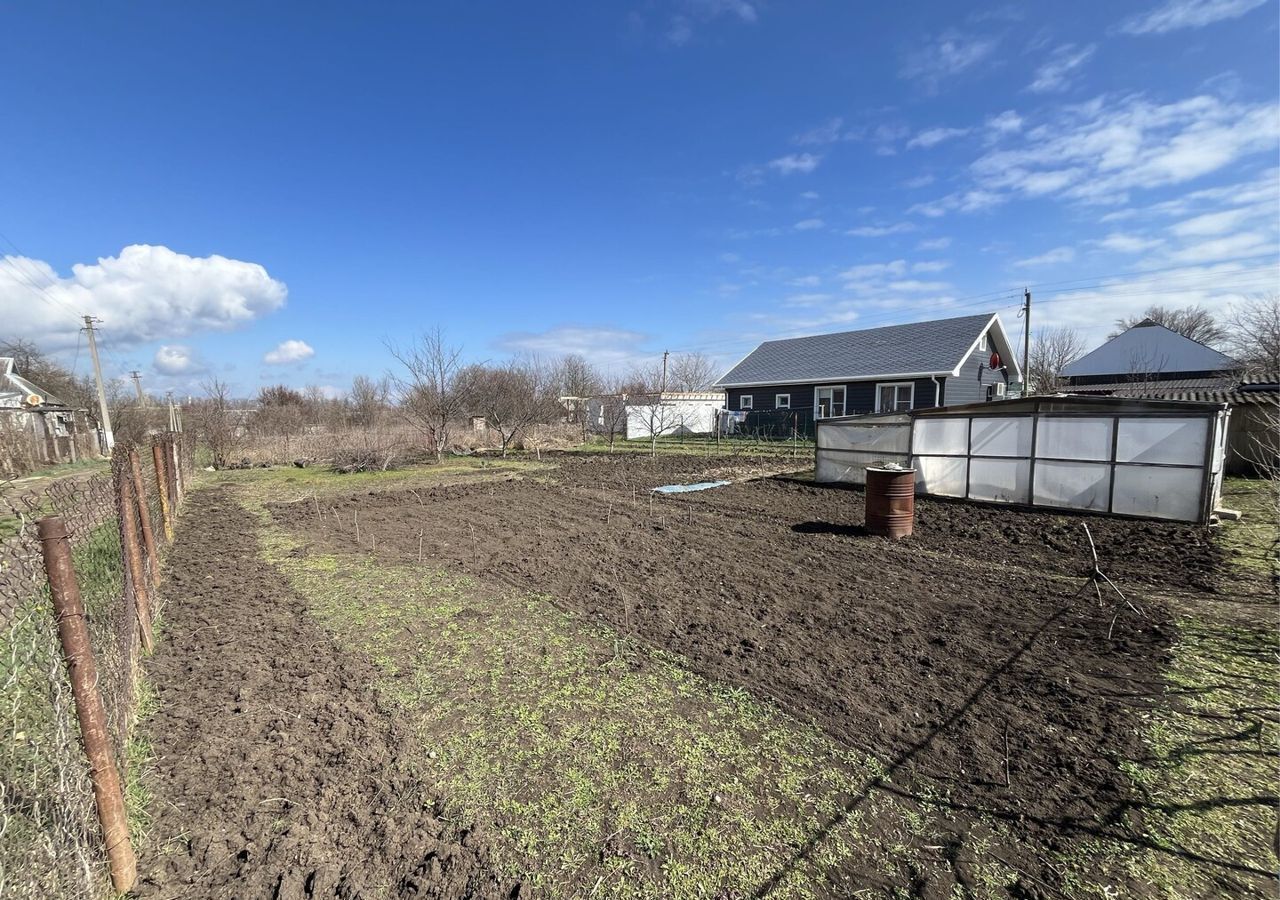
(995, 360)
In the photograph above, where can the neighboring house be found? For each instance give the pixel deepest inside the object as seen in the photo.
(657, 414)
(1151, 362)
(36, 428)
(895, 368)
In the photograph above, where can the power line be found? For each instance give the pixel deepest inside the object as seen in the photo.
(26, 277)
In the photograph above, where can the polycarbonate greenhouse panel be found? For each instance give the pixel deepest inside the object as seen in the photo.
(940, 436)
(1001, 437)
(851, 467)
(1073, 485)
(942, 476)
(1178, 442)
(877, 438)
(1000, 480)
(1063, 437)
(1158, 492)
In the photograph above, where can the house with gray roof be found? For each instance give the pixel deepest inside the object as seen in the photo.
(894, 368)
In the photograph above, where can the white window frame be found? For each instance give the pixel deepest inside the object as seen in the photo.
(983, 344)
(778, 401)
(896, 384)
(844, 400)
(745, 402)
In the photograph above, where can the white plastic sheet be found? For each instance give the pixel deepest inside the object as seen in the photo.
(1001, 437)
(1171, 441)
(1064, 437)
(1159, 492)
(933, 436)
(942, 476)
(1074, 485)
(1000, 480)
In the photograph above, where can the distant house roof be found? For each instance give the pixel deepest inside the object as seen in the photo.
(1247, 389)
(917, 349)
(14, 389)
(1149, 348)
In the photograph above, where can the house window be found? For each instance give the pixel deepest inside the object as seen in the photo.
(895, 397)
(829, 401)
(995, 391)
(983, 346)
(782, 401)
(745, 401)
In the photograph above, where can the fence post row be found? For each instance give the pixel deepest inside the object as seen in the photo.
(144, 515)
(83, 673)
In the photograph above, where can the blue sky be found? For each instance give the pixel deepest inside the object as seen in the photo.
(268, 192)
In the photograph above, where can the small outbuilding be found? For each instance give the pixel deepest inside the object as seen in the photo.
(37, 429)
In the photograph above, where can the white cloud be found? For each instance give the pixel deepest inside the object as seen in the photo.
(611, 349)
(810, 195)
(809, 225)
(914, 286)
(795, 163)
(692, 13)
(931, 137)
(1177, 14)
(828, 132)
(1118, 242)
(931, 265)
(919, 181)
(1056, 256)
(288, 352)
(1056, 73)
(941, 243)
(1213, 223)
(874, 270)
(806, 281)
(946, 56)
(806, 299)
(871, 231)
(1007, 122)
(178, 359)
(1100, 151)
(146, 293)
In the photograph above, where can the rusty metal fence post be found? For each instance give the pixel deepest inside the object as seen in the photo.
(162, 488)
(83, 673)
(144, 516)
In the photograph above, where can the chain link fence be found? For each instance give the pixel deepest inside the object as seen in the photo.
(51, 842)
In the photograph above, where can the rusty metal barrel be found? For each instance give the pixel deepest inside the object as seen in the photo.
(891, 500)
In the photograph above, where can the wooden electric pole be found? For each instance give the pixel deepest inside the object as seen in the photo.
(665, 354)
(107, 436)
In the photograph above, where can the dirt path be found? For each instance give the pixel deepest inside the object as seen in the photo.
(277, 773)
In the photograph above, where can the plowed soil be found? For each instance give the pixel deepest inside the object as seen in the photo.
(967, 656)
(277, 773)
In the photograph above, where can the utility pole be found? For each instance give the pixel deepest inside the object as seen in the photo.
(102, 391)
(665, 354)
(173, 423)
(137, 387)
(1026, 342)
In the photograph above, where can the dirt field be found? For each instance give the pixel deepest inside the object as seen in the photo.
(277, 773)
(1000, 708)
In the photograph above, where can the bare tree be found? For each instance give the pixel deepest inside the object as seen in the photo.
(215, 422)
(690, 372)
(577, 381)
(1194, 322)
(510, 397)
(367, 399)
(427, 390)
(1255, 333)
(44, 372)
(1051, 351)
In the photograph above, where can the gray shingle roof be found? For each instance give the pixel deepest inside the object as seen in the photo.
(1255, 388)
(1149, 347)
(918, 348)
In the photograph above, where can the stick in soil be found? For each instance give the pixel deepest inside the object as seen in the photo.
(419, 546)
(356, 518)
(1007, 781)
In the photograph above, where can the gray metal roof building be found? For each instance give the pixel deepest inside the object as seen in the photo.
(1148, 349)
(938, 347)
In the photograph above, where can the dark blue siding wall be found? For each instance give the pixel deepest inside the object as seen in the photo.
(860, 396)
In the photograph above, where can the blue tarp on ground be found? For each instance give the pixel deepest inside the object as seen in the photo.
(685, 488)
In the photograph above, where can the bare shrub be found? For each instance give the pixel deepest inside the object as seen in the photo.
(427, 390)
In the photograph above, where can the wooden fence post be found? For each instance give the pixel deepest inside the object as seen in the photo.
(69, 612)
(171, 471)
(162, 488)
(144, 515)
(133, 554)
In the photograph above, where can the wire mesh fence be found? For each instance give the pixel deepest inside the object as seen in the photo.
(51, 840)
